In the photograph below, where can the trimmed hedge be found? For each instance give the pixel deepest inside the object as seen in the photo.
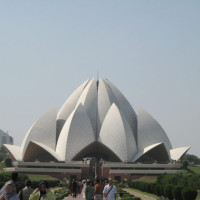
(189, 194)
(61, 194)
(121, 185)
(125, 195)
(184, 180)
(176, 192)
(52, 183)
(170, 191)
(6, 176)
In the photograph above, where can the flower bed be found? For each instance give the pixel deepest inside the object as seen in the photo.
(61, 193)
(123, 195)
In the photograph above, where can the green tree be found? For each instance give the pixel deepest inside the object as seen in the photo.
(192, 159)
(185, 164)
(3, 153)
(8, 162)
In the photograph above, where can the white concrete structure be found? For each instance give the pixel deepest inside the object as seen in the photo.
(119, 138)
(5, 138)
(96, 120)
(177, 153)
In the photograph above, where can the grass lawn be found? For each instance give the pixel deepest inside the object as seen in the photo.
(145, 193)
(147, 179)
(195, 169)
(38, 177)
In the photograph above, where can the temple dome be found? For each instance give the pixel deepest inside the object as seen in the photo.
(96, 120)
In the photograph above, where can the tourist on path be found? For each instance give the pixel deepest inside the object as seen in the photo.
(9, 192)
(98, 190)
(84, 187)
(70, 186)
(89, 191)
(110, 192)
(74, 188)
(25, 193)
(42, 192)
(14, 180)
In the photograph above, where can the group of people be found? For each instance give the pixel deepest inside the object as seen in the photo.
(93, 191)
(12, 190)
(75, 187)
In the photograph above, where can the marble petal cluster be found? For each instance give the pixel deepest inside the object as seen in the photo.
(96, 120)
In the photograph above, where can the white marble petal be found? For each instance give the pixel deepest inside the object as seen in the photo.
(43, 130)
(15, 151)
(71, 102)
(145, 150)
(88, 99)
(177, 153)
(76, 134)
(125, 108)
(117, 135)
(150, 132)
(105, 100)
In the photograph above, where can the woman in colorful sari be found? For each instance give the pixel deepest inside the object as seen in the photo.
(89, 191)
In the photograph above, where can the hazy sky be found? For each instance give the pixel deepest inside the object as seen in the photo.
(149, 49)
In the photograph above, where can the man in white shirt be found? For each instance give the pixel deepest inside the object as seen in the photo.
(110, 192)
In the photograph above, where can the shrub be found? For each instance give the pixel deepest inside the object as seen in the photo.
(176, 192)
(157, 190)
(168, 191)
(149, 188)
(121, 185)
(127, 197)
(61, 194)
(191, 180)
(8, 162)
(52, 183)
(1, 184)
(189, 193)
(115, 182)
(185, 164)
(6, 176)
(137, 198)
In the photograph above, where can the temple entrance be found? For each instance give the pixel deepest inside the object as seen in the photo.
(97, 151)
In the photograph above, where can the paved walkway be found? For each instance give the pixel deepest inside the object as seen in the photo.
(79, 197)
(142, 196)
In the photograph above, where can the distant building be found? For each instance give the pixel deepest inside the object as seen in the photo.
(5, 138)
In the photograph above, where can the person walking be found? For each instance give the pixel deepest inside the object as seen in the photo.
(84, 187)
(70, 186)
(14, 180)
(9, 192)
(74, 188)
(89, 191)
(98, 190)
(42, 192)
(25, 193)
(110, 191)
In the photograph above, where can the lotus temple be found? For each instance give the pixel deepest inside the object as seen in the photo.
(96, 131)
